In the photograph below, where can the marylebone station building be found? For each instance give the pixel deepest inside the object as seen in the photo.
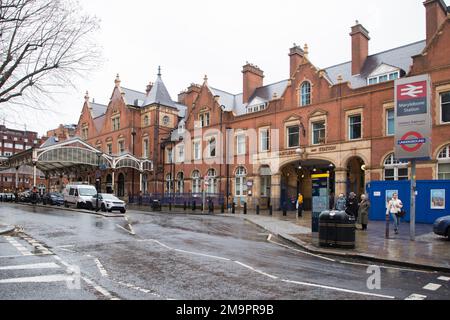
(265, 144)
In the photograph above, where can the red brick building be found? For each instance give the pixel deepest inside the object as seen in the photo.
(14, 142)
(266, 142)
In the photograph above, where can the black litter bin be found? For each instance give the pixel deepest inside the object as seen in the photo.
(156, 205)
(337, 230)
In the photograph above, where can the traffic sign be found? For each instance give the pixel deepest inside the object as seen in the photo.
(413, 118)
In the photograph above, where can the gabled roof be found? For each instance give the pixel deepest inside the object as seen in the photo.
(159, 94)
(133, 97)
(234, 103)
(50, 142)
(400, 57)
(97, 109)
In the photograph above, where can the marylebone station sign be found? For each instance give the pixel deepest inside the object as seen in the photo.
(413, 118)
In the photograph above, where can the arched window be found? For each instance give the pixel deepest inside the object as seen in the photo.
(169, 184)
(180, 182)
(241, 182)
(305, 94)
(196, 182)
(211, 181)
(444, 163)
(146, 121)
(394, 169)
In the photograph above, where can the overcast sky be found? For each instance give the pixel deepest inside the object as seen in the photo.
(192, 38)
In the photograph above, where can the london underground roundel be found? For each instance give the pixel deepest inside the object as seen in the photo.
(412, 141)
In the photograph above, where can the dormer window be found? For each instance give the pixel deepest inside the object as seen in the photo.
(383, 77)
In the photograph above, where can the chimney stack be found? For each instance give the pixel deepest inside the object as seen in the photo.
(253, 78)
(436, 13)
(360, 47)
(297, 56)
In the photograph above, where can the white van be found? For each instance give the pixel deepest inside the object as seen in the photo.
(79, 195)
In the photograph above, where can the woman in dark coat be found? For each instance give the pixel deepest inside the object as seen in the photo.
(352, 206)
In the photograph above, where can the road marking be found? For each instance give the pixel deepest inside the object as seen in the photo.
(256, 270)
(67, 246)
(67, 250)
(50, 265)
(131, 286)
(39, 279)
(101, 268)
(299, 251)
(99, 289)
(130, 232)
(188, 252)
(339, 289)
(444, 278)
(385, 267)
(18, 246)
(416, 296)
(432, 286)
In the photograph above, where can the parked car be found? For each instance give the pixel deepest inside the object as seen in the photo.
(8, 197)
(53, 198)
(442, 227)
(108, 202)
(79, 195)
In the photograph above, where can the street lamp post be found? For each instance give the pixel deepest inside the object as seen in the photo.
(97, 179)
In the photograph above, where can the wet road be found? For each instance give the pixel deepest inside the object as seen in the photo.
(69, 255)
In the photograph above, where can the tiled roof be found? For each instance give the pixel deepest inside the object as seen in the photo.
(97, 109)
(159, 94)
(133, 97)
(400, 57)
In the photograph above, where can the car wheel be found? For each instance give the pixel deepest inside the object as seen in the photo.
(44, 202)
(448, 233)
(123, 211)
(79, 206)
(103, 207)
(66, 205)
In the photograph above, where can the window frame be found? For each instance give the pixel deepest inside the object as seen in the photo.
(313, 130)
(263, 139)
(387, 122)
(305, 94)
(288, 135)
(349, 126)
(241, 143)
(441, 106)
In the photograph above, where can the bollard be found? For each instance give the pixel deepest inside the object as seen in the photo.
(201, 207)
(194, 206)
(284, 209)
(211, 207)
(222, 210)
(233, 208)
(257, 210)
(270, 210)
(170, 206)
(185, 206)
(245, 208)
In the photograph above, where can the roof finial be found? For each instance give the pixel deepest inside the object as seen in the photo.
(159, 71)
(306, 49)
(86, 96)
(356, 22)
(117, 81)
(205, 78)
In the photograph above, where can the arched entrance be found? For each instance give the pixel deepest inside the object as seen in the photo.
(121, 186)
(296, 177)
(356, 180)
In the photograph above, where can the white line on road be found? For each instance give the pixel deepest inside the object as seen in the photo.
(50, 265)
(256, 270)
(432, 286)
(416, 296)
(339, 289)
(444, 278)
(130, 232)
(299, 251)
(39, 279)
(385, 267)
(188, 252)
(101, 268)
(99, 289)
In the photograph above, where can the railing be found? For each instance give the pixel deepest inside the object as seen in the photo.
(177, 199)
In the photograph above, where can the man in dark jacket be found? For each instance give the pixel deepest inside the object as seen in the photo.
(352, 206)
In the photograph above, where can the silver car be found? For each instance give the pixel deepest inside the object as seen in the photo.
(108, 202)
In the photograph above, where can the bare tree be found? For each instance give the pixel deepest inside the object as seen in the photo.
(44, 44)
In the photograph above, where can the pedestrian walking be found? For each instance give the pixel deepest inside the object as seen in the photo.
(299, 205)
(341, 203)
(352, 206)
(363, 212)
(395, 207)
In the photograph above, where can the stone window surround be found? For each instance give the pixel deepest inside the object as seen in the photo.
(299, 92)
(439, 90)
(315, 119)
(386, 107)
(238, 134)
(287, 125)
(349, 113)
(260, 129)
